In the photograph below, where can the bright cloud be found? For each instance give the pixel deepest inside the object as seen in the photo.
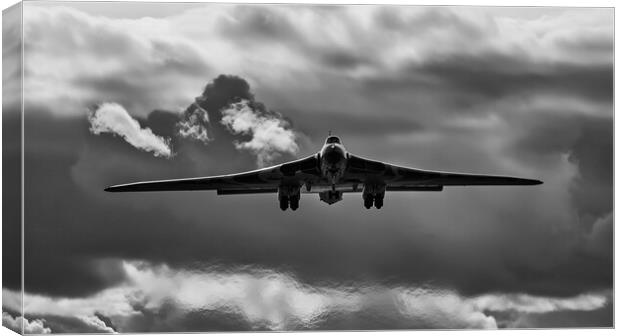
(270, 134)
(531, 304)
(113, 118)
(36, 326)
(194, 126)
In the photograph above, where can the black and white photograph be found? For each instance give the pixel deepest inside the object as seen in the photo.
(230, 167)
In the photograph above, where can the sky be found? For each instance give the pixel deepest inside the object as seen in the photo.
(119, 92)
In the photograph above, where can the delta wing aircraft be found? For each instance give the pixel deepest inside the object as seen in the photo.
(329, 173)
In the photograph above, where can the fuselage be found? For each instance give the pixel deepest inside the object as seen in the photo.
(333, 160)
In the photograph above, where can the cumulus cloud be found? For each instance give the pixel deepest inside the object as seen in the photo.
(195, 124)
(95, 323)
(228, 107)
(36, 326)
(278, 301)
(113, 118)
(270, 136)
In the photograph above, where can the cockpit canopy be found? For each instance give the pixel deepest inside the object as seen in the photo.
(332, 139)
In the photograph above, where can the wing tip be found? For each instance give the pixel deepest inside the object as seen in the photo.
(534, 182)
(116, 188)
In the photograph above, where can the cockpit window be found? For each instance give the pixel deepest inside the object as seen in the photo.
(332, 139)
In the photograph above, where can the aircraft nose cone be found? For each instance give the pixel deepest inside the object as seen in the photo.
(333, 157)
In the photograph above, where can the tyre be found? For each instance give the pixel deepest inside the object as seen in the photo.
(368, 201)
(284, 203)
(378, 202)
(295, 202)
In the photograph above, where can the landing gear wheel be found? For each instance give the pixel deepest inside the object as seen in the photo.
(368, 201)
(378, 202)
(295, 202)
(284, 203)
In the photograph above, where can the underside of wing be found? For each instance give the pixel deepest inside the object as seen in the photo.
(399, 178)
(249, 180)
(264, 180)
(456, 179)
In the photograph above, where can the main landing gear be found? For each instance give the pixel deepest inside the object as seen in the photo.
(369, 199)
(292, 201)
(374, 192)
(289, 196)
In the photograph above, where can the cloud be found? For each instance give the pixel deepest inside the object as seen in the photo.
(278, 301)
(270, 135)
(96, 323)
(228, 107)
(276, 46)
(141, 64)
(113, 118)
(530, 304)
(195, 124)
(29, 327)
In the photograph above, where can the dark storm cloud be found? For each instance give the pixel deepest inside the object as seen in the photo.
(205, 114)
(71, 173)
(223, 91)
(321, 122)
(162, 123)
(587, 142)
(478, 78)
(593, 154)
(80, 174)
(11, 214)
(596, 43)
(228, 112)
(11, 146)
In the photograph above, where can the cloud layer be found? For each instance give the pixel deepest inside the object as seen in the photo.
(276, 301)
